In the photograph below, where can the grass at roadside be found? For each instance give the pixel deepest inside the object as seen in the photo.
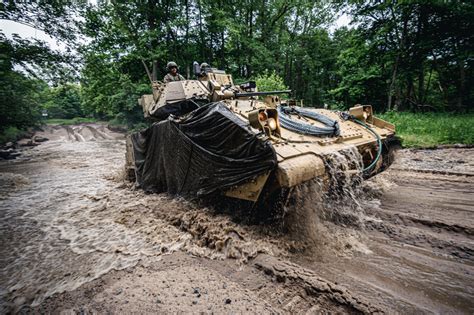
(431, 129)
(72, 121)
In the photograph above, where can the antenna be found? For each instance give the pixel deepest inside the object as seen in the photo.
(147, 71)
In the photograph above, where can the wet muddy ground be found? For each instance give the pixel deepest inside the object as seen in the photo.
(76, 238)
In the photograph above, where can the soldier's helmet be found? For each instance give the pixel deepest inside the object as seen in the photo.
(171, 64)
(205, 67)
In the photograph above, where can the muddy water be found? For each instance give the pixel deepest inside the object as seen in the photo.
(66, 218)
(55, 232)
(414, 249)
(403, 240)
(48, 198)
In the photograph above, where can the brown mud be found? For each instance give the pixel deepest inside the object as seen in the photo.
(76, 238)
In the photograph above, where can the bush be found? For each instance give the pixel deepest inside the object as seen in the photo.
(270, 82)
(11, 134)
(119, 120)
(139, 126)
(65, 102)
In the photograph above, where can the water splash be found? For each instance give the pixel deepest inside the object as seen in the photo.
(327, 214)
(341, 202)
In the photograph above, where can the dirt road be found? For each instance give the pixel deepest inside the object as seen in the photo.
(75, 237)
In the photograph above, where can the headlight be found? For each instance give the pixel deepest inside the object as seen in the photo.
(272, 123)
(265, 119)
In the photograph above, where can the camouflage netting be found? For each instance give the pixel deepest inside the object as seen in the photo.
(206, 151)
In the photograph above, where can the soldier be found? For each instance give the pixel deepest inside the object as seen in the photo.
(204, 69)
(173, 74)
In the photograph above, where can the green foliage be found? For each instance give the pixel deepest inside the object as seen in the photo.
(421, 51)
(11, 134)
(405, 55)
(431, 129)
(270, 81)
(138, 126)
(106, 92)
(64, 101)
(34, 56)
(23, 61)
(360, 79)
(118, 120)
(400, 55)
(245, 39)
(20, 100)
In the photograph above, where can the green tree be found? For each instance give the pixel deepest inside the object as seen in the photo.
(420, 47)
(359, 76)
(21, 92)
(270, 82)
(64, 101)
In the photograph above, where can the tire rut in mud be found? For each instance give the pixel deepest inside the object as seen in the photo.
(435, 216)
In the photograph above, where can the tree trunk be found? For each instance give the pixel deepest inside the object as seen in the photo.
(409, 93)
(201, 34)
(462, 84)
(250, 36)
(420, 53)
(421, 84)
(392, 83)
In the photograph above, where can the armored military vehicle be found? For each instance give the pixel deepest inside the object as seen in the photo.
(212, 136)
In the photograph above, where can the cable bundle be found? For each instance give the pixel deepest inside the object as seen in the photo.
(331, 129)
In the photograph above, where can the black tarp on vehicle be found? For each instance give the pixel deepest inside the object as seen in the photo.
(205, 151)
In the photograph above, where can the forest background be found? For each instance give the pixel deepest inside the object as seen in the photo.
(411, 60)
